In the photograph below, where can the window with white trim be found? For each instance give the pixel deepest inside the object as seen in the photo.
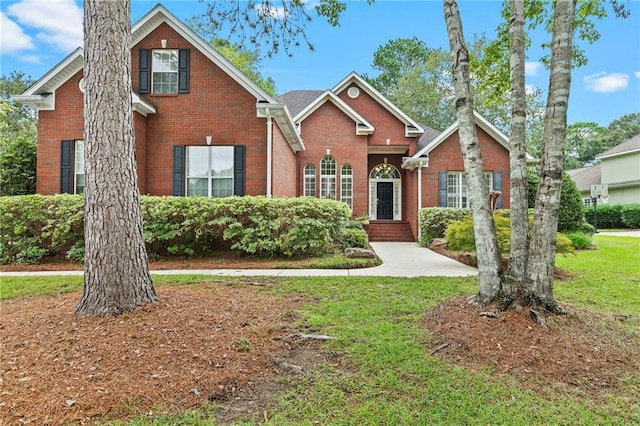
(79, 168)
(210, 171)
(328, 177)
(165, 71)
(346, 185)
(309, 181)
(457, 190)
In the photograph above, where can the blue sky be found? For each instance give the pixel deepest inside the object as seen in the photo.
(37, 34)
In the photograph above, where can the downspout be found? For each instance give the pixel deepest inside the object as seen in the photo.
(269, 152)
(419, 200)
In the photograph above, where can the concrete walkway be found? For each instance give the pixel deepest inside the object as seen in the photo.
(399, 260)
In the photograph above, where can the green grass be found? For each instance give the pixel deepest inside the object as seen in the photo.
(392, 378)
(606, 279)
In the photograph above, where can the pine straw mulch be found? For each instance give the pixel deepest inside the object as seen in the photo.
(230, 344)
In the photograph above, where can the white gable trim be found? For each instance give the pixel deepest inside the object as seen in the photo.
(363, 127)
(159, 14)
(412, 128)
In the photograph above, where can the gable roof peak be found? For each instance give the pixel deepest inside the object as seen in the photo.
(412, 128)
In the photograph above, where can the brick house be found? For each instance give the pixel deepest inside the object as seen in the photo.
(203, 128)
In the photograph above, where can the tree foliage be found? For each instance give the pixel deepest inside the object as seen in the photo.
(18, 137)
(269, 25)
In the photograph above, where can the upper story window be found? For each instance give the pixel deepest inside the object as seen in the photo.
(163, 71)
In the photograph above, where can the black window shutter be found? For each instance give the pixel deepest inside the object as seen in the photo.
(239, 163)
(497, 186)
(178, 170)
(183, 71)
(66, 169)
(442, 189)
(145, 71)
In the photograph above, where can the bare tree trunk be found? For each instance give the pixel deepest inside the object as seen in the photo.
(518, 158)
(489, 265)
(542, 248)
(116, 268)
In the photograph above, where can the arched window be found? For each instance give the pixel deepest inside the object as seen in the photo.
(328, 178)
(384, 171)
(346, 185)
(309, 181)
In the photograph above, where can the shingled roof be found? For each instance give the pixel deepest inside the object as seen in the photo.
(630, 145)
(586, 176)
(297, 100)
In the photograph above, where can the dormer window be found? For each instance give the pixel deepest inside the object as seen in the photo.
(163, 71)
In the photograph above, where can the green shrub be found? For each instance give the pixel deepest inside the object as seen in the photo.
(587, 228)
(35, 226)
(31, 255)
(609, 216)
(580, 240)
(570, 214)
(434, 222)
(563, 244)
(631, 215)
(460, 235)
(355, 238)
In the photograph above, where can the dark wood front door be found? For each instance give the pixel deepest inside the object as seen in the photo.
(384, 193)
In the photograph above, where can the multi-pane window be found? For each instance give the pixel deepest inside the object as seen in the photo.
(165, 71)
(210, 171)
(457, 190)
(328, 178)
(79, 168)
(346, 185)
(309, 181)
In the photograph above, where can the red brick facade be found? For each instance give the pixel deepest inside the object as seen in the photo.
(227, 108)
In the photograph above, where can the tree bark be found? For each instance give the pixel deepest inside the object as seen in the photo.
(542, 248)
(489, 265)
(116, 267)
(519, 187)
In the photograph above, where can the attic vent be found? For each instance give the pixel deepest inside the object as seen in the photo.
(353, 92)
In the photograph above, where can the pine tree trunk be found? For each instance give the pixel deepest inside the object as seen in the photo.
(518, 158)
(489, 265)
(116, 268)
(542, 248)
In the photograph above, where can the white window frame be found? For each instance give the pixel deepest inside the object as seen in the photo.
(309, 180)
(209, 174)
(78, 169)
(328, 177)
(458, 191)
(164, 67)
(346, 185)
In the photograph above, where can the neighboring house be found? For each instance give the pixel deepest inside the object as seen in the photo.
(203, 128)
(619, 169)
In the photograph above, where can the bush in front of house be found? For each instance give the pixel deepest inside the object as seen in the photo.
(460, 235)
(34, 227)
(609, 216)
(353, 237)
(631, 215)
(571, 213)
(434, 222)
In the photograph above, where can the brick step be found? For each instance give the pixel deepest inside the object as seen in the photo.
(390, 231)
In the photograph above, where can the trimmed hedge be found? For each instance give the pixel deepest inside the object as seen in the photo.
(609, 216)
(631, 215)
(33, 227)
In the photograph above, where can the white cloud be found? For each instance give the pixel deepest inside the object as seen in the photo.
(55, 22)
(13, 37)
(606, 83)
(531, 68)
(637, 74)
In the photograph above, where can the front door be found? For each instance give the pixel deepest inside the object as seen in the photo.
(384, 193)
